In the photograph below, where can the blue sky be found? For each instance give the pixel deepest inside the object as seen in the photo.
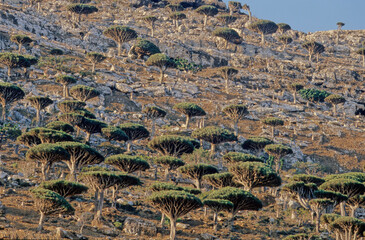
(311, 15)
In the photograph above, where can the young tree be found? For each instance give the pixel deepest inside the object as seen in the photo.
(176, 16)
(255, 174)
(48, 202)
(237, 157)
(83, 93)
(99, 181)
(30, 61)
(114, 134)
(339, 27)
(220, 180)
(162, 61)
(214, 135)
(127, 163)
(278, 151)
(37, 136)
(283, 27)
(80, 155)
(174, 204)
(189, 110)
(144, 48)
(256, 144)
(348, 228)
(347, 187)
(94, 58)
(285, 39)
(227, 73)
(61, 126)
(302, 193)
(319, 206)
(120, 34)
(172, 145)
(64, 188)
(197, 171)
(21, 40)
(12, 60)
(9, 93)
(273, 122)
(234, 7)
(228, 35)
(235, 112)
(175, 7)
(361, 52)
(47, 154)
(313, 95)
(263, 27)
(169, 163)
(218, 205)
(150, 21)
(207, 10)
(73, 119)
(247, 8)
(91, 126)
(356, 202)
(226, 19)
(80, 9)
(134, 132)
(335, 99)
(295, 87)
(313, 48)
(241, 200)
(154, 113)
(39, 103)
(65, 80)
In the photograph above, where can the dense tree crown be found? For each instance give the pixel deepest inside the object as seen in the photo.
(228, 35)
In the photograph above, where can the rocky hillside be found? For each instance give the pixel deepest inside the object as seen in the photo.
(323, 141)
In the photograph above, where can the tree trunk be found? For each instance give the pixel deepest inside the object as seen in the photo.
(38, 117)
(343, 210)
(226, 85)
(119, 49)
(93, 68)
(20, 48)
(44, 167)
(198, 184)
(41, 222)
(9, 73)
(277, 165)
(363, 60)
(235, 127)
(162, 219)
(128, 146)
(162, 73)
(225, 44)
(4, 113)
(205, 20)
(272, 132)
(114, 196)
(167, 173)
(249, 16)
(310, 57)
(353, 209)
(153, 127)
(152, 30)
(318, 219)
(215, 221)
(334, 109)
(262, 38)
(173, 229)
(99, 212)
(177, 25)
(212, 150)
(295, 97)
(39, 6)
(88, 135)
(65, 91)
(96, 200)
(187, 122)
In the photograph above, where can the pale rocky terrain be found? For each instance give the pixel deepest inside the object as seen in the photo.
(335, 143)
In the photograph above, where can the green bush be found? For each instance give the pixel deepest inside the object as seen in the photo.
(313, 95)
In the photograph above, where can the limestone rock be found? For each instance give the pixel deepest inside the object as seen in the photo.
(139, 227)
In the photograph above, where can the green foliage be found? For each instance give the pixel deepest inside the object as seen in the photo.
(171, 162)
(301, 189)
(256, 143)
(81, 154)
(273, 121)
(214, 135)
(241, 199)
(47, 152)
(91, 125)
(220, 180)
(329, 218)
(207, 10)
(234, 6)
(357, 176)
(255, 174)
(335, 196)
(21, 39)
(100, 180)
(128, 163)
(64, 188)
(177, 16)
(11, 131)
(346, 225)
(226, 19)
(171, 145)
(85, 113)
(95, 57)
(348, 187)
(149, 19)
(228, 34)
(161, 186)
(144, 47)
(175, 7)
(278, 150)
(313, 47)
(263, 27)
(189, 109)
(335, 99)
(308, 179)
(49, 202)
(154, 112)
(60, 126)
(185, 65)
(40, 102)
(120, 34)
(65, 79)
(283, 27)
(114, 133)
(71, 118)
(37, 136)
(235, 111)
(13, 60)
(218, 205)
(160, 60)
(9, 93)
(82, 9)
(83, 93)
(233, 157)
(56, 52)
(197, 171)
(301, 236)
(69, 106)
(313, 95)
(134, 131)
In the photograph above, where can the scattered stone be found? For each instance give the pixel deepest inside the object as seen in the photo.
(139, 227)
(182, 225)
(207, 236)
